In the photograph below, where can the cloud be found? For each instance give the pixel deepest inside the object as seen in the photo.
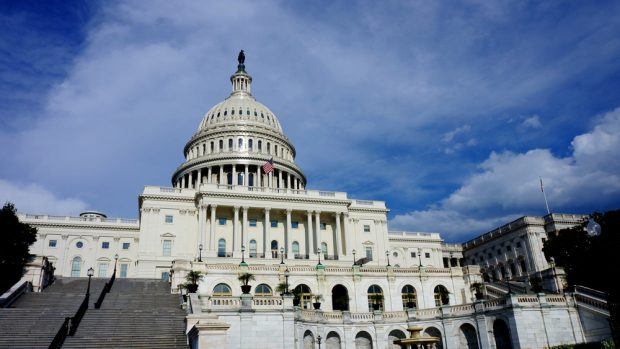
(531, 122)
(33, 198)
(507, 185)
(449, 136)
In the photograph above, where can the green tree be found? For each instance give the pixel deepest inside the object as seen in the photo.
(15, 240)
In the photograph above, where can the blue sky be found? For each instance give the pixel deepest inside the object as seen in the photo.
(448, 111)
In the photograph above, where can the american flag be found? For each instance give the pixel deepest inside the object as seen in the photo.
(268, 166)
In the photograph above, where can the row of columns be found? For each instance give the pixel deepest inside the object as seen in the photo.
(285, 180)
(208, 220)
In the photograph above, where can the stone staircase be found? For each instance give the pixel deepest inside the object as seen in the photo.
(35, 318)
(137, 313)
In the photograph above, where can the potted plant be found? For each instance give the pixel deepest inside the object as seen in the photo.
(245, 278)
(281, 288)
(444, 295)
(192, 280)
(376, 299)
(296, 297)
(478, 288)
(410, 297)
(317, 301)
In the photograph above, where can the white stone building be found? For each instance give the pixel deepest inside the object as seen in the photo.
(225, 214)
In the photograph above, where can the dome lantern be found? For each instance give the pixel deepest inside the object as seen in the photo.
(241, 80)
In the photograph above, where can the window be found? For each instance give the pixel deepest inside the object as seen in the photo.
(240, 178)
(252, 222)
(167, 247)
(221, 248)
(76, 265)
(260, 146)
(323, 226)
(52, 243)
(274, 223)
(295, 248)
(103, 270)
(221, 145)
(268, 148)
(409, 297)
(169, 219)
(124, 268)
(222, 290)
(250, 145)
(230, 144)
(324, 249)
(105, 245)
(222, 221)
(126, 245)
(79, 244)
(252, 248)
(303, 296)
(518, 243)
(294, 225)
(240, 144)
(165, 275)
(499, 252)
(366, 228)
(413, 255)
(369, 253)
(212, 147)
(263, 290)
(427, 255)
(441, 295)
(275, 149)
(507, 248)
(251, 179)
(375, 298)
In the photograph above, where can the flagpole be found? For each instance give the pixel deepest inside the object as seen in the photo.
(544, 195)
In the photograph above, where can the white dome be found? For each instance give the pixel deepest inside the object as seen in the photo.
(240, 109)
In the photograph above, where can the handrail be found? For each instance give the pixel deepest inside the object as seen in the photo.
(13, 293)
(77, 318)
(106, 289)
(61, 335)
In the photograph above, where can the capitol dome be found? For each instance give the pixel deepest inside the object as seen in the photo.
(235, 139)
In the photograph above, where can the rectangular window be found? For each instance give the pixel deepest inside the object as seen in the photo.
(427, 255)
(124, 268)
(125, 245)
(366, 228)
(369, 253)
(295, 225)
(274, 224)
(413, 255)
(105, 245)
(222, 221)
(52, 243)
(323, 226)
(165, 275)
(103, 270)
(167, 247)
(169, 219)
(252, 222)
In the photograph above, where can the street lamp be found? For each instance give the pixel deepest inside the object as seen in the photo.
(387, 254)
(318, 251)
(200, 253)
(353, 256)
(281, 255)
(242, 254)
(420, 257)
(90, 274)
(319, 340)
(286, 275)
(115, 260)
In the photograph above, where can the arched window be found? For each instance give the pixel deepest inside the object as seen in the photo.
(76, 266)
(268, 148)
(221, 248)
(375, 298)
(275, 149)
(229, 178)
(260, 146)
(295, 248)
(274, 249)
(250, 145)
(230, 144)
(252, 248)
(263, 290)
(409, 297)
(324, 249)
(302, 296)
(240, 145)
(240, 178)
(251, 179)
(221, 147)
(222, 290)
(442, 296)
(212, 146)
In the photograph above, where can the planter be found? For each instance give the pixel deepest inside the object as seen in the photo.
(192, 288)
(316, 306)
(376, 306)
(410, 305)
(246, 288)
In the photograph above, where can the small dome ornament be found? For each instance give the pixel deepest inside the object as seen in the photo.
(241, 57)
(593, 228)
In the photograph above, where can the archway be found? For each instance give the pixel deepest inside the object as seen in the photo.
(501, 334)
(409, 297)
(308, 340)
(76, 266)
(468, 337)
(340, 298)
(434, 332)
(375, 298)
(302, 296)
(394, 336)
(332, 341)
(442, 295)
(363, 340)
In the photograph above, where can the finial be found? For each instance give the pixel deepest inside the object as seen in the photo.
(241, 57)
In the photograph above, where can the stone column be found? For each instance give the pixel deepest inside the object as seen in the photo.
(270, 180)
(310, 237)
(317, 217)
(257, 181)
(199, 178)
(191, 182)
(280, 186)
(245, 234)
(246, 178)
(267, 239)
(288, 182)
(183, 181)
(209, 174)
(234, 175)
(236, 233)
(337, 244)
(212, 232)
(222, 179)
(289, 237)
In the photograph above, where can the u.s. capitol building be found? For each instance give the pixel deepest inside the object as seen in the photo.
(238, 203)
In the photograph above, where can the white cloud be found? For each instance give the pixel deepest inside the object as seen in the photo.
(531, 122)
(508, 185)
(33, 198)
(449, 136)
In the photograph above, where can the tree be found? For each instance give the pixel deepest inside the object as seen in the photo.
(15, 241)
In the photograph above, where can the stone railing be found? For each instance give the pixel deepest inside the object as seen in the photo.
(267, 303)
(428, 313)
(57, 219)
(222, 303)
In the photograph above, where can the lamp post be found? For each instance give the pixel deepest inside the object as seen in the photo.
(200, 253)
(281, 255)
(319, 340)
(115, 260)
(387, 254)
(420, 257)
(90, 274)
(318, 251)
(286, 275)
(507, 282)
(353, 256)
(242, 254)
